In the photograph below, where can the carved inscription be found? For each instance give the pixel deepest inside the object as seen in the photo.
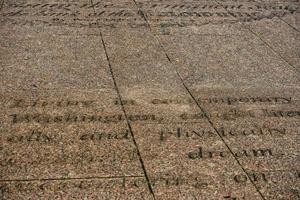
(77, 118)
(162, 14)
(199, 183)
(254, 176)
(76, 159)
(268, 176)
(186, 13)
(22, 103)
(33, 136)
(234, 114)
(216, 100)
(194, 134)
(92, 188)
(71, 118)
(201, 153)
(82, 147)
(72, 14)
(99, 136)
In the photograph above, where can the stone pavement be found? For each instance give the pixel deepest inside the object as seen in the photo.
(150, 99)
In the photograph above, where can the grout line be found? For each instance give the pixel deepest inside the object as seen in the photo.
(125, 113)
(290, 25)
(127, 121)
(264, 42)
(199, 106)
(69, 179)
(219, 134)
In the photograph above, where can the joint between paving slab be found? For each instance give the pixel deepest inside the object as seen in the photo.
(264, 42)
(125, 114)
(290, 25)
(213, 126)
(199, 106)
(127, 121)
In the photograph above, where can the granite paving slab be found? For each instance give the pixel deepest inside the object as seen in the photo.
(145, 78)
(285, 44)
(42, 56)
(90, 188)
(282, 15)
(262, 130)
(235, 53)
(61, 134)
(292, 6)
(139, 99)
(180, 160)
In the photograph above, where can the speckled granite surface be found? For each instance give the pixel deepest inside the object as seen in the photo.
(158, 100)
